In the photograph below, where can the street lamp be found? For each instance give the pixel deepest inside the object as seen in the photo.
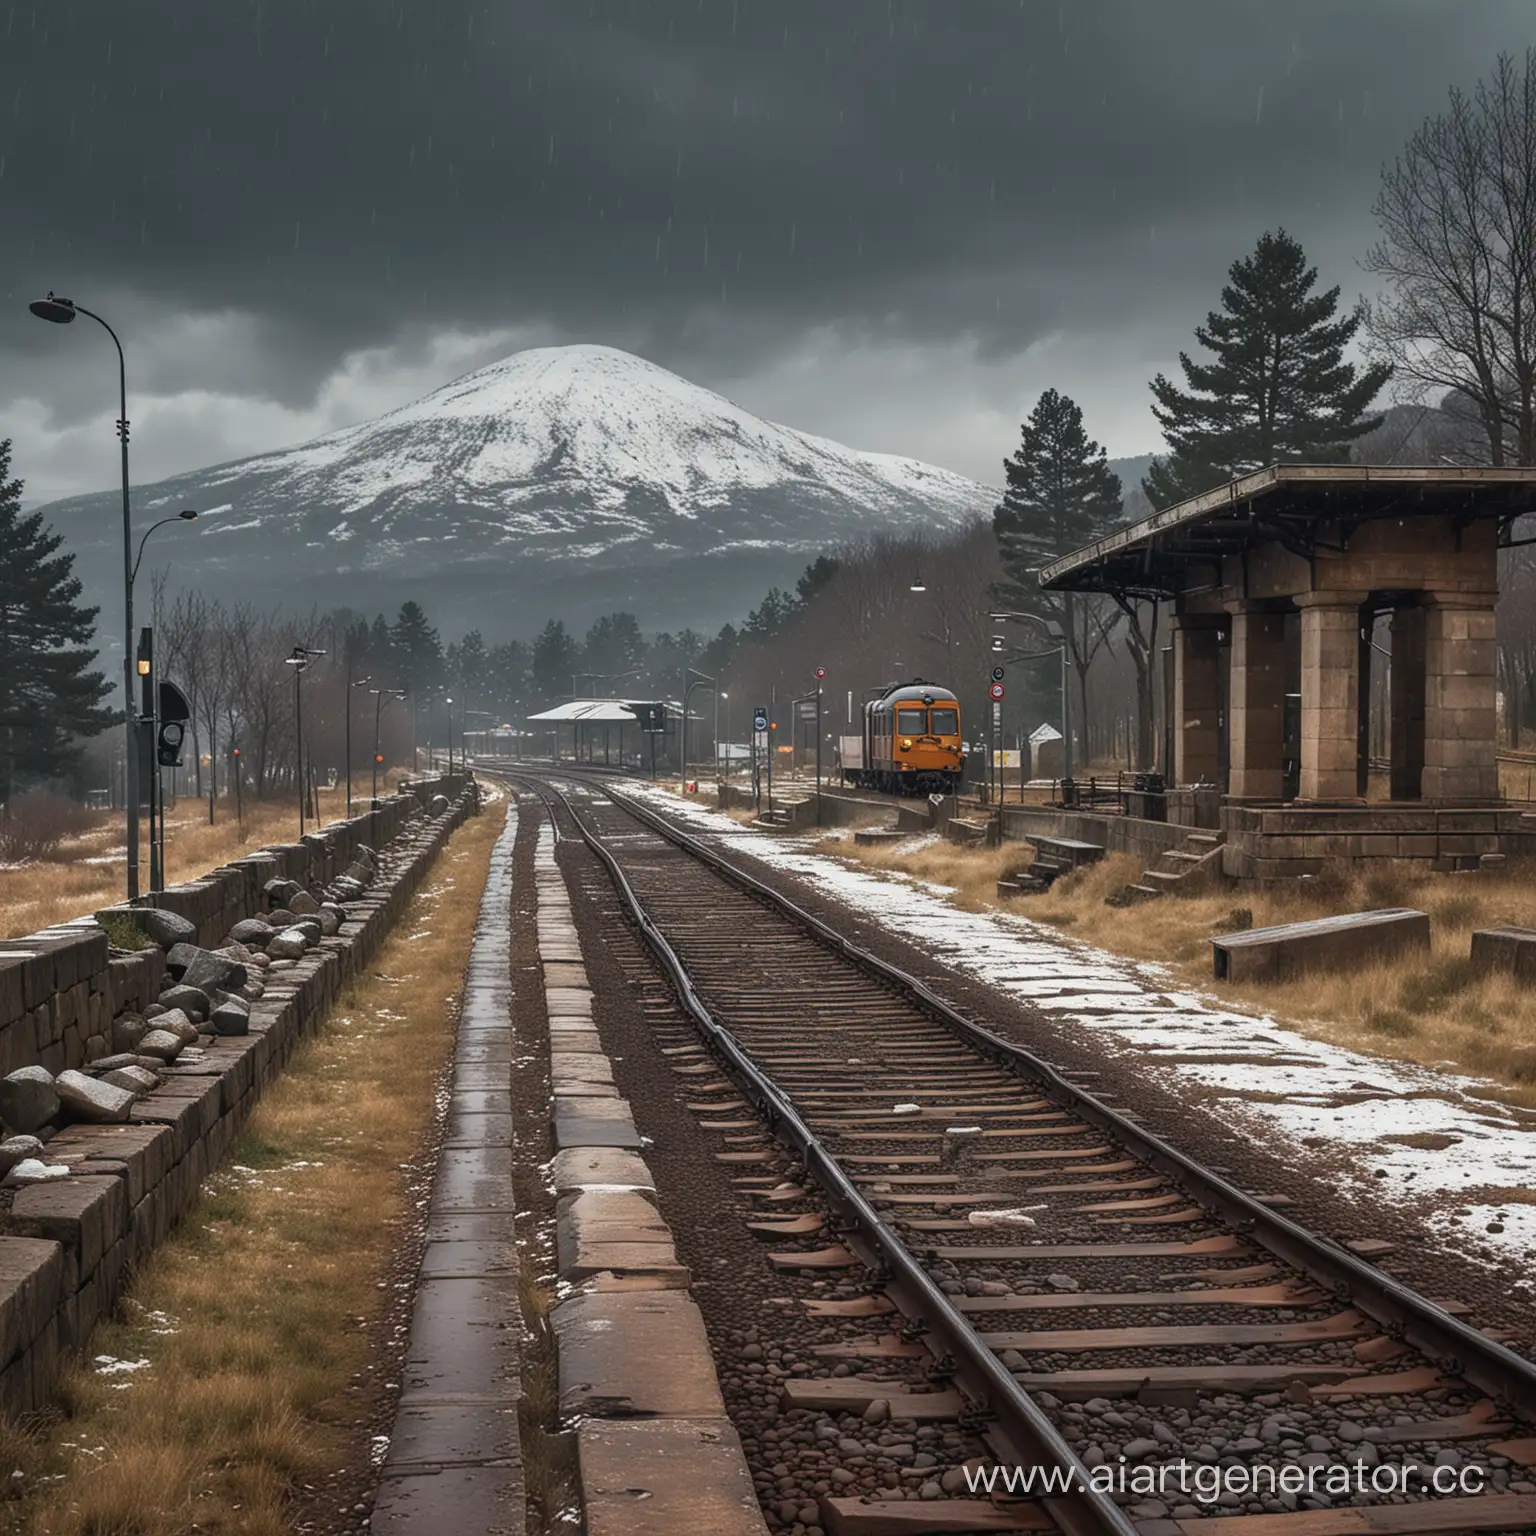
(301, 657)
(379, 695)
(702, 680)
(721, 693)
(62, 312)
(186, 515)
(361, 682)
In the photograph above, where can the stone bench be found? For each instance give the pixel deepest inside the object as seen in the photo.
(1326, 943)
(1508, 950)
(1071, 851)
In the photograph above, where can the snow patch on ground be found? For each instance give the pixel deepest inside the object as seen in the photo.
(1295, 1094)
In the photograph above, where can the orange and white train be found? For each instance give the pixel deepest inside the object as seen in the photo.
(910, 743)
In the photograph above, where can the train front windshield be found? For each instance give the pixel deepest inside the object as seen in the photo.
(911, 722)
(945, 722)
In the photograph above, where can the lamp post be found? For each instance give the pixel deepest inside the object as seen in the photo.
(1060, 648)
(301, 657)
(720, 693)
(361, 682)
(379, 695)
(61, 312)
(701, 680)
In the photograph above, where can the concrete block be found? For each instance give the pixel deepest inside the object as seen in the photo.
(1509, 950)
(31, 1284)
(86, 1215)
(473, 1179)
(610, 1345)
(463, 1341)
(659, 1477)
(487, 1500)
(429, 1436)
(581, 1168)
(617, 1230)
(594, 1122)
(1330, 943)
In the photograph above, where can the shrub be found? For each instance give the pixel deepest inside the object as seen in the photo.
(34, 824)
(123, 933)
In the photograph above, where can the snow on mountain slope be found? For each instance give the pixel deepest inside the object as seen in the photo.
(601, 418)
(556, 460)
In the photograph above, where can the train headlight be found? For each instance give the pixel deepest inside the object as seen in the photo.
(906, 746)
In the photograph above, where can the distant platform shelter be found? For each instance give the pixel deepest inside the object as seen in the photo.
(1288, 587)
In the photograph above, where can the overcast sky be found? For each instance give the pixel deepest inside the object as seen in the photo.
(891, 222)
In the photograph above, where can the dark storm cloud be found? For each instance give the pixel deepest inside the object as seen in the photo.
(705, 179)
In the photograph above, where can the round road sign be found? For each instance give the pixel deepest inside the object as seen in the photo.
(996, 690)
(997, 674)
(760, 721)
(821, 672)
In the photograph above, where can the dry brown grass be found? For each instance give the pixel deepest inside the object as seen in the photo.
(1431, 1009)
(970, 875)
(254, 1318)
(72, 884)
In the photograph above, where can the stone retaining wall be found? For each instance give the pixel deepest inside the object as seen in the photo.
(60, 989)
(66, 1243)
(1148, 840)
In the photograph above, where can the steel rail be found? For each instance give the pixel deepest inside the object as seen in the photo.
(1016, 1424)
(1402, 1313)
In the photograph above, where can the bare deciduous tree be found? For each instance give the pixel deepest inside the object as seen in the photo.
(1457, 211)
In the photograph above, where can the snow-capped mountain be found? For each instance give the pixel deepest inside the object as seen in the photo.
(561, 481)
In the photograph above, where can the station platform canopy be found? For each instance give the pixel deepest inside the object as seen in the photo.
(605, 711)
(1285, 505)
(598, 711)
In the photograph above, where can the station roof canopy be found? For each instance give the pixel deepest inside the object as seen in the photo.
(1282, 504)
(603, 711)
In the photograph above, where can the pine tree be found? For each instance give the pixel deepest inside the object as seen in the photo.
(416, 651)
(380, 654)
(817, 574)
(554, 659)
(614, 646)
(1276, 387)
(469, 667)
(1061, 495)
(770, 616)
(49, 696)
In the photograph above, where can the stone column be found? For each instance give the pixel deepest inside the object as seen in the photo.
(1330, 695)
(1408, 632)
(1460, 709)
(1196, 699)
(1257, 714)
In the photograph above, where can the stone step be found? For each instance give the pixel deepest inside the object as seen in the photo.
(1142, 893)
(1209, 839)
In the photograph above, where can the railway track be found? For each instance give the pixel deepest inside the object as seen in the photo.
(1045, 1270)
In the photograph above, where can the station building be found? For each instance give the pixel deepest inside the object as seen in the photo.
(1288, 587)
